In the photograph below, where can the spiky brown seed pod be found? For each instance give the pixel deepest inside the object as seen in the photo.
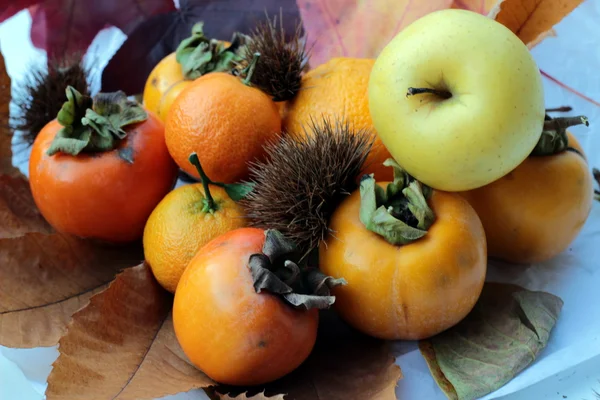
(279, 69)
(42, 94)
(304, 180)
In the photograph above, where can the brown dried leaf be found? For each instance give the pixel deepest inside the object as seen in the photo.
(6, 166)
(18, 212)
(45, 278)
(344, 365)
(529, 19)
(244, 396)
(122, 346)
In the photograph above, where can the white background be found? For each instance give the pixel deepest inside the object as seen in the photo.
(569, 368)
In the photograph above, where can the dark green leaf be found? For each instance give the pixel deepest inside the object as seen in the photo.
(504, 333)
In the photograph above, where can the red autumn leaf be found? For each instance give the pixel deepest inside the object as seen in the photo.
(63, 27)
(160, 35)
(14, 7)
(353, 28)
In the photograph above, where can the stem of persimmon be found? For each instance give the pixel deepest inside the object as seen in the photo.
(440, 93)
(210, 202)
(565, 122)
(559, 109)
(251, 69)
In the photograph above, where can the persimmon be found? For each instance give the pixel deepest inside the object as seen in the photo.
(195, 56)
(414, 258)
(100, 168)
(534, 213)
(244, 312)
(226, 121)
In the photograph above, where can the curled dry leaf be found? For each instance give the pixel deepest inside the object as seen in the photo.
(46, 278)
(244, 396)
(504, 333)
(122, 346)
(6, 166)
(18, 213)
(529, 19)
(344, 365)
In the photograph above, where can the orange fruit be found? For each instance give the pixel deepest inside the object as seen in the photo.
(164, 84)
(225, 121)
(181, 224)
(338, 89)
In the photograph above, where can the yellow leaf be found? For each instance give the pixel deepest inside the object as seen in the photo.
(529, 19)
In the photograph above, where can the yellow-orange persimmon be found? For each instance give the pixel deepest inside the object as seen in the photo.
(410, 274)
(534, 213)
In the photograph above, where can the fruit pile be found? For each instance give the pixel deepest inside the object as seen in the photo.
(376, 187)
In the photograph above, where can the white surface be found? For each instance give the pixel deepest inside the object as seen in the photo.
(569, 368)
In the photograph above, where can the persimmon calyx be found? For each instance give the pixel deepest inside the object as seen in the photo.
(276, 271)
(554, 137)
(236, 191)
(94, 125)
(199, 55)
(400, 213)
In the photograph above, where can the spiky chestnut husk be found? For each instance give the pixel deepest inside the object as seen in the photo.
(281, 64)
(42, 94)
(305, 178)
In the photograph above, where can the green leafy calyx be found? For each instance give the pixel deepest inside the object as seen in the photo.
(400, 213)
(276, 270)
(199, 55)
(94, 125)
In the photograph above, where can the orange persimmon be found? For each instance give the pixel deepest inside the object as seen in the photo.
(177, 70)
(414, 267)
(535, 212)
(231, 317)
(96, 179)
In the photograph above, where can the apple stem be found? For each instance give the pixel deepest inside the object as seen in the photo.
(441, 93)
(559, 109)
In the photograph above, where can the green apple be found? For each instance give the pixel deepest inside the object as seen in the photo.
(457, 99)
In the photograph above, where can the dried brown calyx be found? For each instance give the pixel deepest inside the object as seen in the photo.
(304, 179)
(42, 94)
(277, 270)
(399, 213)
(282, 61)
(554, 138)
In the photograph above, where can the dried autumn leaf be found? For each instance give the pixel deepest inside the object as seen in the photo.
(122, 346)
(504, 333)
(353, 28)
(46, 278)
(6, 166)
(63, 27)
(344, 365)
(529, 19)
(18, 212)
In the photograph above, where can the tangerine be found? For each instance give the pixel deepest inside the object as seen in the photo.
(338, 88)
(225, 120)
